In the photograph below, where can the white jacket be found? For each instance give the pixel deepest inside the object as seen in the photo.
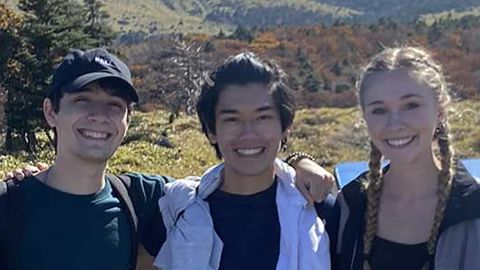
(192, 243)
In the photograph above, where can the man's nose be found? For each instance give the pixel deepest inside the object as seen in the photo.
(248, 130)
(98, 112)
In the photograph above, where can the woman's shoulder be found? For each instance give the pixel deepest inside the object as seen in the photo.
(464, 200)
(352, 197)
(355, 188)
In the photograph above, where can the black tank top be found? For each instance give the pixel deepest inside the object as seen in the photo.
(388, 255)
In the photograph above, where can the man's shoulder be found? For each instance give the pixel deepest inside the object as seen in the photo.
(145, 188)
(8, 201)
(10, 186)
(145, 182)
(149, 178)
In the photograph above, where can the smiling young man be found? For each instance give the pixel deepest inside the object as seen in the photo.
(70, 216)
(246, 212)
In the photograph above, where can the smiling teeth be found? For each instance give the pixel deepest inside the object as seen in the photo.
(400, 142)
(250, 151)
(95, 135)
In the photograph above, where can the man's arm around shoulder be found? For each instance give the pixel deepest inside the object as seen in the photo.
(145, 191)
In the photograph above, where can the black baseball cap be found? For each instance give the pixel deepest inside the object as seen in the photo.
(80, 68)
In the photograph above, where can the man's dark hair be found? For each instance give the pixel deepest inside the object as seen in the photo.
(242, 69)
(111, 85)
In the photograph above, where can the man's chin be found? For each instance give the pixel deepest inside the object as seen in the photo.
(252, 171)
(96, 157)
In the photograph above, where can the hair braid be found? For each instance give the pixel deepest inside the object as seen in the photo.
(444, 184)
(373, 187)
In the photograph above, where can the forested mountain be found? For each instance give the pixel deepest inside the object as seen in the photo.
(209, 16)
(405, 10)
(322, 59)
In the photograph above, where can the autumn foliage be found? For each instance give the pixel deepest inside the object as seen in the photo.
(323, 63)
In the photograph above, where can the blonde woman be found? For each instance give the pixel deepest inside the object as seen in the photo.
(422, 211)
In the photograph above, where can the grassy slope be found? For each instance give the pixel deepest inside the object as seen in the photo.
(333, 135)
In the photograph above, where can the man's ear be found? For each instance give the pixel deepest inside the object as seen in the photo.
(49, 113)
(286, 133)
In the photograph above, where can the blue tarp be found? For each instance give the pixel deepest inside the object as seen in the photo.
(347, 171)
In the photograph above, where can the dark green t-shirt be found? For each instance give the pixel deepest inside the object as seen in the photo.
(57, 230)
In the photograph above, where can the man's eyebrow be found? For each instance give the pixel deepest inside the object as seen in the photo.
(261, 109)
(228, 111)
(265, 108)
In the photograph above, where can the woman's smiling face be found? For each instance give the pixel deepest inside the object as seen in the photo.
(401, 114)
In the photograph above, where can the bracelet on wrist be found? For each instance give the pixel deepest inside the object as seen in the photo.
(293, 158)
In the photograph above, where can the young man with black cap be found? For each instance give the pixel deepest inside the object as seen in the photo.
(70, 217)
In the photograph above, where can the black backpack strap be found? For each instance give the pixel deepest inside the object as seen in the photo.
(120, 185)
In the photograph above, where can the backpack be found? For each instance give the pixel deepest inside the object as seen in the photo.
(120, 185)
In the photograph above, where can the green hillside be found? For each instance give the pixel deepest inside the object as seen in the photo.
(430, 18)
(150, 16)
(202, 8)
(262, 12)
(406, 10)
(209, 16)
(332, 135)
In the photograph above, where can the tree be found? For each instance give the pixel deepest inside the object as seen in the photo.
(242, 33)
(10, 23)
(311, 84)
(172, 70)
(96, 26)
(435, 33)
(221, 34)
(307, 73)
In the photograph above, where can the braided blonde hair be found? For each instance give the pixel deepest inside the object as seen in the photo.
(420, 65)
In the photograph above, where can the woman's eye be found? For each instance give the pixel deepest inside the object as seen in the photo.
(412, 105)
(230, 120)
